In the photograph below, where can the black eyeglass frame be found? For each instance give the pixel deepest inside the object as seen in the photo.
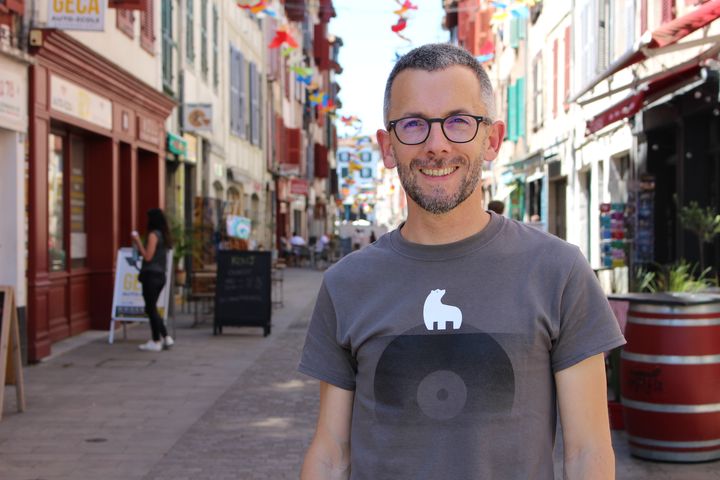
(478, 119)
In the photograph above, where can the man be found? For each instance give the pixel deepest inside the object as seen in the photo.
(443, 347)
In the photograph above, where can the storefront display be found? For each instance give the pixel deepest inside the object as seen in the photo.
(615, 234)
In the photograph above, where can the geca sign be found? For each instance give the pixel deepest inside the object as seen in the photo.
(77, 14)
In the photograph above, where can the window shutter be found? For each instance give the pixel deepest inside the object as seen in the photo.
(514, 34)
(234, 92)
(294, 144)
(125, 22)
(566, 80)
(216, 41)
(147, 27)
(512, 113)
(555, 79)
(668, 10)
(242, 115)
(203, 37)
(629, 25)
(260, 106)
(521, 28)
(190, 30)
(643, 16)
(520, 118)
(255, 118)
(603, 39)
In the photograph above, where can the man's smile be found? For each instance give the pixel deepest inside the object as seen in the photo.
(438, 172)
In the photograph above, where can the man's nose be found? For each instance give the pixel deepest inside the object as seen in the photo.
(437, 141)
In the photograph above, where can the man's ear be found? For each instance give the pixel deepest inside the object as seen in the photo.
(496, 134)
(383, 139)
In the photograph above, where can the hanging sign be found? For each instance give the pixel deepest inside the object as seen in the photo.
(197, 117)
(76, 15)
(238, 227)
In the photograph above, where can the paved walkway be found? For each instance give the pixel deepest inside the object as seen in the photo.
(225, 407)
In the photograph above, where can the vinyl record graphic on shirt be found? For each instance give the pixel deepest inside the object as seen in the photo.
(449, 376)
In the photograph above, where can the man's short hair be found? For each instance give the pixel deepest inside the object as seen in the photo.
(439, 56)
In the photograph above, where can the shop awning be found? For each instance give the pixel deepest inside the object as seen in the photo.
(652, 43)
(646, 93)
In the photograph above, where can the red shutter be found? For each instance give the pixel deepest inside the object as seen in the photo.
(643, 16)
(555, 79)
(127, 4)
(17, 6)
(147, 27)
(280, 142)
(668, 10)
(321, 161)
(566, 82)
(294, 146)
(321, 46)
(295, 10)
(126, 22)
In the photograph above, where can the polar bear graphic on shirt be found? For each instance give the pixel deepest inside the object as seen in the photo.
(436, 312)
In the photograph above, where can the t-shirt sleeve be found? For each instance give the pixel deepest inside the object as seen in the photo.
(323, 356)
(587, 324)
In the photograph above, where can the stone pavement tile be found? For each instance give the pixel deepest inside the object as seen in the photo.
(139, 403)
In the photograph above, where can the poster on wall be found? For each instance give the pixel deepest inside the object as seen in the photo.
(238, 227)
(128, 304)
(77, 15)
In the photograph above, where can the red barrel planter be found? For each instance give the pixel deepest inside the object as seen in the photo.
(670, 381)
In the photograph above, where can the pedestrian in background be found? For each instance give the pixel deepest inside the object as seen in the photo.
(152, 276)
(450, 341)
(496, 206)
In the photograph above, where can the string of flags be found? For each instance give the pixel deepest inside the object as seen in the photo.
(402, 20)
(257, 7)
(515, 8)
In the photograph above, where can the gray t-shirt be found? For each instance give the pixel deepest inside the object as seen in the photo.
(451, 350)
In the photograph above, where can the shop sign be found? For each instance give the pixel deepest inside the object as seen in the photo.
(76, 15)
(176, 144)
(78, 102)
(13, 112)
(192, 143)
(149, 131)
(197, 117)
(298, 186)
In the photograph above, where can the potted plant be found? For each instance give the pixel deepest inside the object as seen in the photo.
(703, 222)
(182, 248)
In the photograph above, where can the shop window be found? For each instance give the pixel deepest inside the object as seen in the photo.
(56, 201)
(78, 234)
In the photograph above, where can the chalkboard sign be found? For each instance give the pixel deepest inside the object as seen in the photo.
(242, 290)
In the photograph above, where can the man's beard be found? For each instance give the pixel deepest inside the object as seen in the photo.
(439, 201)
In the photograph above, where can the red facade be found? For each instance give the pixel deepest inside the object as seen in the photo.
(117, 160)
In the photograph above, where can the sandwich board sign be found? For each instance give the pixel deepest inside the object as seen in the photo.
(128, 304)
(10, 357)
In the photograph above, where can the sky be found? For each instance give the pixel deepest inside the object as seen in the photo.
(369, 48)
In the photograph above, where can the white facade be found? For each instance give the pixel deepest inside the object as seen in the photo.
(13, 137)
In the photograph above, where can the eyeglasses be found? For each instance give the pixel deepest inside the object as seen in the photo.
(461, 128)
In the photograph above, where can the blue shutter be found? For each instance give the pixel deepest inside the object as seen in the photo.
(514, 34)
(242, 114)
(255, 118)
(512, 113)
(521, 120)
(234, 92)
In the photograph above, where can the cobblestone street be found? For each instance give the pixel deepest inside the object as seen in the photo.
(225, 407)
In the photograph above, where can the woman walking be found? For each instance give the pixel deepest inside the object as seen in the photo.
(152, 276)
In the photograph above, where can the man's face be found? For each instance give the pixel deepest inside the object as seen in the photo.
(438, 174)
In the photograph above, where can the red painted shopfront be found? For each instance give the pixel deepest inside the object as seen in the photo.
(96, 164)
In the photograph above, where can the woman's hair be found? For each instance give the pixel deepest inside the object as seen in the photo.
(157, 221)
